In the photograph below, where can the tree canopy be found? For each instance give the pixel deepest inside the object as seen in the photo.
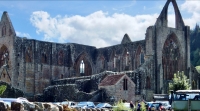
(198, 69)
(179, 82)
(195, 46)
(2, 89)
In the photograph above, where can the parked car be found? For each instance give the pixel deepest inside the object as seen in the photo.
(57, 103)
(148, 105)
(85, 104)
(103, 105)
(166, 105)
(9, 100)
(157, 106)
(69, 103)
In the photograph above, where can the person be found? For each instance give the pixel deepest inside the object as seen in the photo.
(139, 106)
(131, 106)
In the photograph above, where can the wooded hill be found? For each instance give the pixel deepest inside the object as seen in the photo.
(195, 46)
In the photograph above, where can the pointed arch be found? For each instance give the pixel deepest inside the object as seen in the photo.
(148, 82)
(139, 57)
(60, 57)
(125, 59)
(162, 19)
(4, 54)
(113, 60)
(28, 54)
(171, 57)
(101, 62)
(44, 55)
(171, 16)
(83, 58)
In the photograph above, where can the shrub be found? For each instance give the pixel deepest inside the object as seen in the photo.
(2, 89)
(119, 106)
(179, 82)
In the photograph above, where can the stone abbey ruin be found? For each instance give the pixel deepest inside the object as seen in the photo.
(55, 71)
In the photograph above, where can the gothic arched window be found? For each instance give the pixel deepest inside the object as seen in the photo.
(4, 54)
(82, 67)
(171, 57)
(61, 58)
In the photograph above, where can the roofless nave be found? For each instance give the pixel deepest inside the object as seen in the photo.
(32, 65)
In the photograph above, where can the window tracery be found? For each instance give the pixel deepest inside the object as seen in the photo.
(171, 58)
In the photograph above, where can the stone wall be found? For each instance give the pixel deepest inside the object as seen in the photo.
(33, 64)
(59, 93)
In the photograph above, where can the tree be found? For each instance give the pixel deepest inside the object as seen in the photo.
(2, 89)
(198, 69)
(179, 82)
(194, 46)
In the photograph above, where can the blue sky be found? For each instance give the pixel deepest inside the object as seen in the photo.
(97, 23)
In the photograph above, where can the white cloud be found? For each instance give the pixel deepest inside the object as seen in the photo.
(191, 5)
(101, 29)
(97, 29)
(20, 34)
(193, 8)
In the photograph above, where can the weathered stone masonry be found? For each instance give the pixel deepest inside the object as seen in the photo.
(32, 65)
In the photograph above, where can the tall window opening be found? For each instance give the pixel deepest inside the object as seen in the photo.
(171, 16)
(61, 58)
(82, 66)
(125, 85)
(148, 82)
(171, 57)
(115, 61)
(127, 58)
(141, 58)
(4, 54)
(28, 55)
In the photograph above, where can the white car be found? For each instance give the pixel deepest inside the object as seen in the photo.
(103, 105)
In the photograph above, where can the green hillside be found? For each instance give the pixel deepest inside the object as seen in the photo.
(195, 46)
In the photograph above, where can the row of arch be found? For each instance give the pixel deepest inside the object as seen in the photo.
(84, 65)
(44, 56)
